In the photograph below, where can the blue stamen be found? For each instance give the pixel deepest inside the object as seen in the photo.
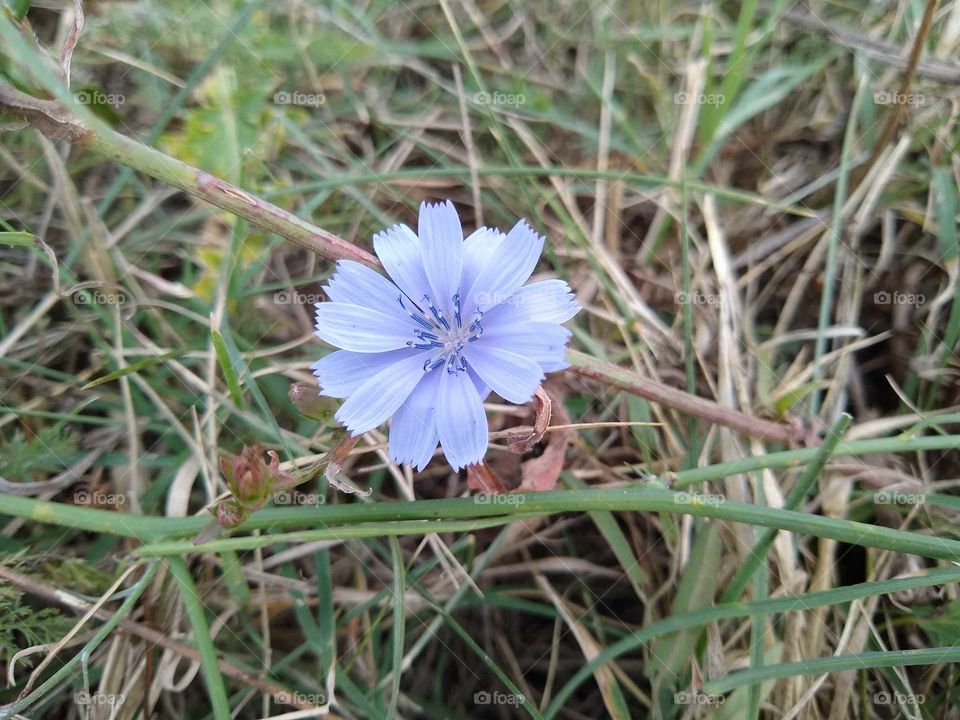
(438, 316)
(427, 366)
(416, 317)
(456, 309)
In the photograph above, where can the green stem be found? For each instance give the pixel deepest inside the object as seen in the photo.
(56, 121)
(149, 528)
(360, 530)
(636, 499)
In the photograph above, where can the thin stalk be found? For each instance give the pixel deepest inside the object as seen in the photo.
(426, 516)
(359, 530)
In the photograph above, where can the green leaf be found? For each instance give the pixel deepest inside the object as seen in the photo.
(783, 403)
(134, 367)
(226, 364)
(945, 207)
(768, 90)
(670, 656)
(943, 626)
(17, 239)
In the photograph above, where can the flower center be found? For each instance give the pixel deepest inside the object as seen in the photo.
(438, 333)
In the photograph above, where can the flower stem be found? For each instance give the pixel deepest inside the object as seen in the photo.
(59, 123)
(590, 367)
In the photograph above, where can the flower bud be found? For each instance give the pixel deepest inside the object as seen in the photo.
(311, 404)
(250, 479)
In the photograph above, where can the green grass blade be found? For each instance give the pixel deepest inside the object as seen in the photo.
(216, 688)
(399, 621)
(836, 663)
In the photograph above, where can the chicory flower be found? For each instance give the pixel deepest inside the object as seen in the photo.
(453, 322)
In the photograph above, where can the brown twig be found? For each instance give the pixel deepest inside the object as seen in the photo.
(900, 106)
(589, 367)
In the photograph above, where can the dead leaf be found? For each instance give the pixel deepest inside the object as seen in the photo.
(519, 443)
(542, 473)
(482, 477)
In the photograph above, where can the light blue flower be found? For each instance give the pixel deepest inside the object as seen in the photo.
(453, 322)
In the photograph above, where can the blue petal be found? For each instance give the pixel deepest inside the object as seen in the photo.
(505, 273)
(398, 248)
(380, 396)
(461, 422)
(544, 300)
(341, 372)
(441, 245)
(478, 251)
(359, 285)
(482, 390)
(543, 342)
(513, 377)
(352, 327)
(413, 431)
